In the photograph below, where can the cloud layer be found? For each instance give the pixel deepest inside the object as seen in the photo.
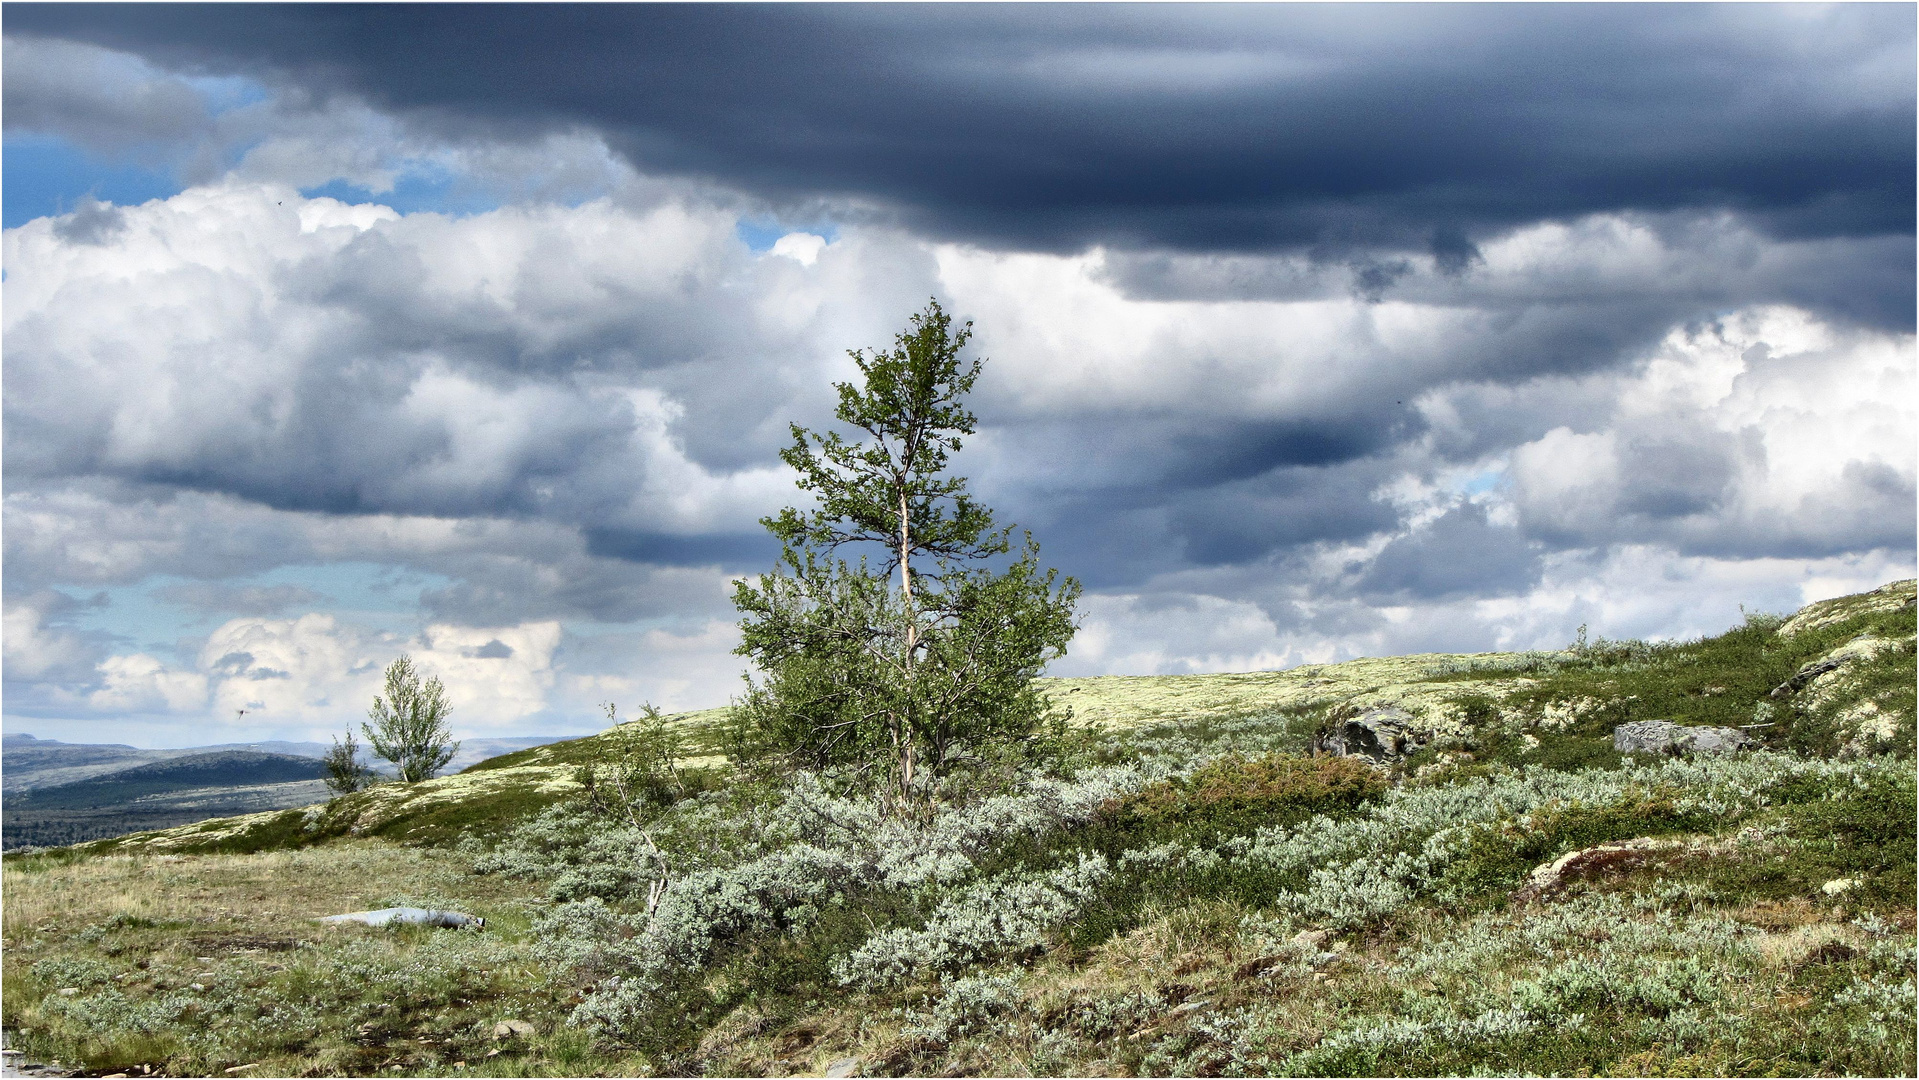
(1269, 413)
(1198, 128)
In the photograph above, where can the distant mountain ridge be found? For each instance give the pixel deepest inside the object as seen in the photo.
(64, 793)
(27, 761)
(220, 768)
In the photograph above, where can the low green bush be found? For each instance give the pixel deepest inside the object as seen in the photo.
(1235, 794)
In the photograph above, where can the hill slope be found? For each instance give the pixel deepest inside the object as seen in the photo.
(1179, 890)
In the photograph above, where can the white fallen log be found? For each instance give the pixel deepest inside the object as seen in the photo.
(410, 916)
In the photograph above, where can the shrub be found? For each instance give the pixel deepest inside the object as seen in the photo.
(1236, 793)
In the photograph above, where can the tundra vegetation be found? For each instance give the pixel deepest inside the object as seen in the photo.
(1173, 887)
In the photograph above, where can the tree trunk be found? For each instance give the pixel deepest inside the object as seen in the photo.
(904, 742)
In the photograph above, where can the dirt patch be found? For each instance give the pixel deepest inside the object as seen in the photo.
(1548, 878)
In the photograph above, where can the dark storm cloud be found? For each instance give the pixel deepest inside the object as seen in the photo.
(92, 222)
(1122, 535)
(1419, 128)
(1459, 554)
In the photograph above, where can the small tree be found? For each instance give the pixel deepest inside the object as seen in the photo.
(409, 723)
(346, 773)
(896, 680)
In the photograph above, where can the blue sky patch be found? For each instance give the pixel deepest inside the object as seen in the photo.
(162, 613)
(761, 233)
(435, 193)
(46, 175)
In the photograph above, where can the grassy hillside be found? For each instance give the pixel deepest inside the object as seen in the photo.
(1180, 888)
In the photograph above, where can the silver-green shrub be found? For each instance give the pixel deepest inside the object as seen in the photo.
(992, 918)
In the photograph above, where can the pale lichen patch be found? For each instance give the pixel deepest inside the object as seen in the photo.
(1883, 600)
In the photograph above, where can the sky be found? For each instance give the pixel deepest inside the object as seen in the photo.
(333, 333)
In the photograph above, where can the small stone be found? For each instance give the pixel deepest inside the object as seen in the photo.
(512, 1029)
(843, 1067)
(1190, 1006)
(69, 991)
(1312, 939)
(1260, 966)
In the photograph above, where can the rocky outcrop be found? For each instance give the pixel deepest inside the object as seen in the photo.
(1382, 733)
(1666, 737)
(1807, 674)
(1862, 648)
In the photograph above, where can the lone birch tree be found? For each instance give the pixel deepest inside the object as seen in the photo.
(409, 723)
(894, 667)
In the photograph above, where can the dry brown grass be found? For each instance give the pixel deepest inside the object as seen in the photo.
(277, 892)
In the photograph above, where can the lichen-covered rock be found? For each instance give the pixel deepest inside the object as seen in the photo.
(1865, 647)
(1666, 737)
(1381, 733)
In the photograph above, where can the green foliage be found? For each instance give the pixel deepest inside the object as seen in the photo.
(409, 723)
(896, 683)
(345, 772)
(644, 775)
(1235, 793)
(1496, 858)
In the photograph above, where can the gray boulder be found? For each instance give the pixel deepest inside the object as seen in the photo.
(1666, 737)
(1379, 733)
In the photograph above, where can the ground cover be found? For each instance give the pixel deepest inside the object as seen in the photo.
(1180, 888)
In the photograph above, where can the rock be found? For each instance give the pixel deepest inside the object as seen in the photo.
(1312, 939)
(1549, 877)
(1379, 733)
(512, 1029)
(1666, 737)
(1807, 674)
(409, 915)
(69, 991)
(1260, 966)
(843, 1067)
